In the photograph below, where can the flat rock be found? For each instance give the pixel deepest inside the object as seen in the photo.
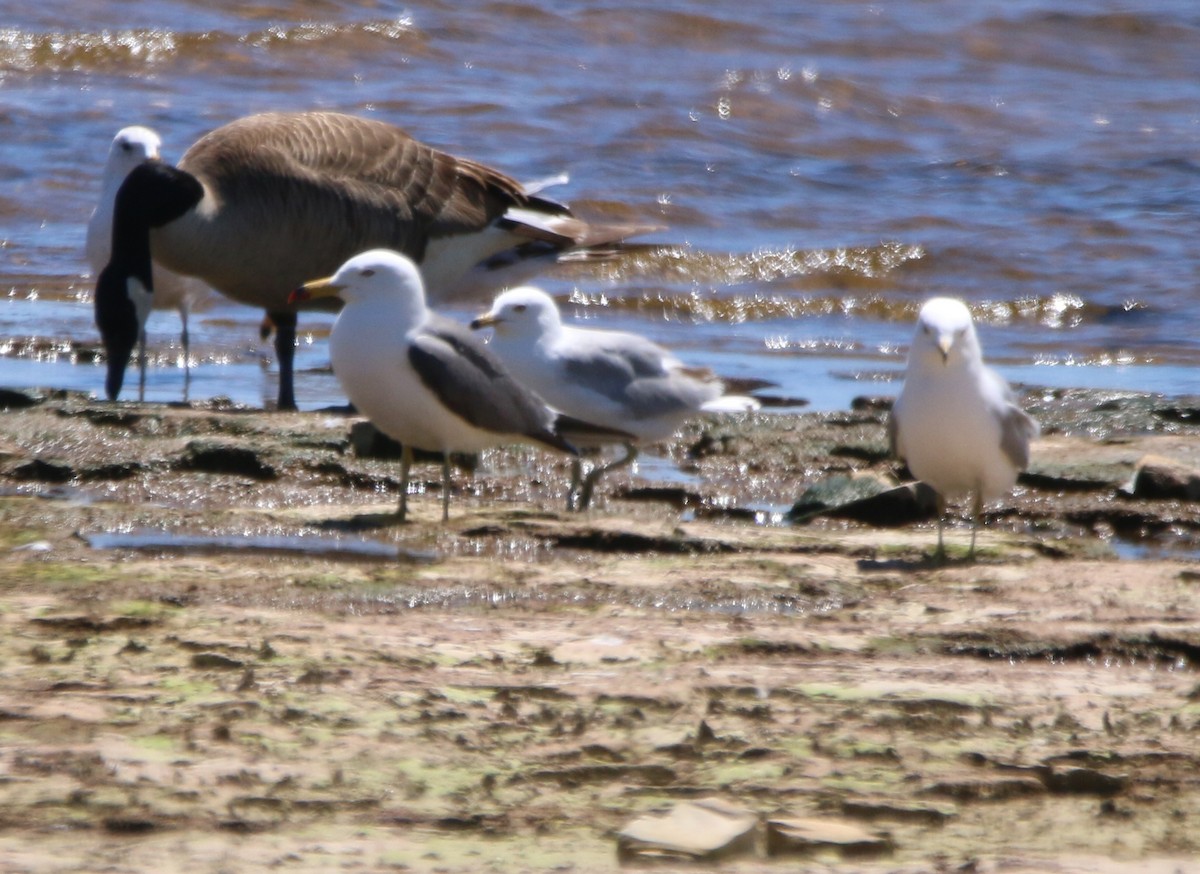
(1159, 478)
(702, 830)
(866, 498)
(1084, 781)
(40, 470)
(811, 834)
(213, 457)
(987, 788)
(890, 808)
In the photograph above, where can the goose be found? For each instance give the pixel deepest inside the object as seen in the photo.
(613, 378)
(422, 379)
(956, 422)
(266, 202)
(130, 147)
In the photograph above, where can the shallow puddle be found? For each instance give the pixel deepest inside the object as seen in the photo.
(329, 547)
(1155, 548)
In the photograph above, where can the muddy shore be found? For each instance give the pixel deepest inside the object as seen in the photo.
(221, 654)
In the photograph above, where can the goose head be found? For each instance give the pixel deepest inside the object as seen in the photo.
(152, 195)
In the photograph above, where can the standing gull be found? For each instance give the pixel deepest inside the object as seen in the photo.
(266, 202)
(130, 147)
(956, 422)
(422, 379)
(613, 378)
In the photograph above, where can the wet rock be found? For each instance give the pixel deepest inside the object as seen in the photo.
(886, 808)
(108, 418)
(367, 441)
(872, 453)
(1159, 478)
(987, 788)
(15, 399)
(42, 471)
(703, 830)
(129, 825)
(1066, 481)
(1084, 781)
(210, 457)
(117, 471)
(704, 447)
(676, 496)
(216, 661)
(866, 498)
(808, 835)
(652, 775)
(872, 404)
(1187, 414)
(606, 540)
(92, 624)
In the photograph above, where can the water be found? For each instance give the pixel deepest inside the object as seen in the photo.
(819, 168)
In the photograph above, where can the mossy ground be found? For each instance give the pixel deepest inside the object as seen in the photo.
(504, 692)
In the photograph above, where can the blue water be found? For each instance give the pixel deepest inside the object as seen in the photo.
(821, 169)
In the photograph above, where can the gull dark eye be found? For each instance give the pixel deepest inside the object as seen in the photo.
(368, 272)
(128, 147)
(520, 308)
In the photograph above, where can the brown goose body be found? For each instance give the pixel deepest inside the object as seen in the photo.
(291, 196)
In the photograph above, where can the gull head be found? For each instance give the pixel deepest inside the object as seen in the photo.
(379, 275)
(130, 147)
(945, 334)
(522, 312)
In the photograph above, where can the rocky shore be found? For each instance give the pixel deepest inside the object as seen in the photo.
(220, 653)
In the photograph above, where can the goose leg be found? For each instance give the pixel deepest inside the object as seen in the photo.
(285, 356)
(445, 487)
(186, 340)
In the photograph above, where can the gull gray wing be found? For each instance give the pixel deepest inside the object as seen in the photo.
(471, 382)
(893, 436)
(1017, 429)
(630, 372)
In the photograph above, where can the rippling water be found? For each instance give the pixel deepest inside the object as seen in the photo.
(819, 168)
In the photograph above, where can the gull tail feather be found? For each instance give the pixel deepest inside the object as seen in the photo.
(731, 404)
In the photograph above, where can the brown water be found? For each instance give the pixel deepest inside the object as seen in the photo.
(820, 169)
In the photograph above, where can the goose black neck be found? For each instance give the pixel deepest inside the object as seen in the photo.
(152, 195)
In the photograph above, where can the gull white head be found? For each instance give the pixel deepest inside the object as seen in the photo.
(376, 276)
(130, 147)
(524, 312)
(945, 335)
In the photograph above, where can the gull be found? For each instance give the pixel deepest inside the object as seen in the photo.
(956, 422)
(422, 379)
(612, 378)
(260, 205)
(130, 147)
